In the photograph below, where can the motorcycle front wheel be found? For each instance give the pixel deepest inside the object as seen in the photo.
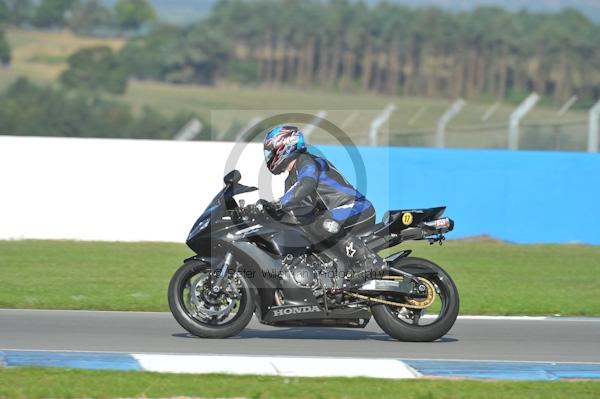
(421, 325)
(203, 313)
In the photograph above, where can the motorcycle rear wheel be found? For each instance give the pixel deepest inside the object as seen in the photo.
(405, 324)
(184, 298)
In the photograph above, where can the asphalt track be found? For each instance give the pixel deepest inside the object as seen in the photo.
(505, 339)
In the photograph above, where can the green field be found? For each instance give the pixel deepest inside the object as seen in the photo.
(41, 57)
(54, 383)
(493, 278)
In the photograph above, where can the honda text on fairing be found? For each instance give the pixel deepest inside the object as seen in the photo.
(255, 259)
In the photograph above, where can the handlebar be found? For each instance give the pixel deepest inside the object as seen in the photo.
(274, 210)
(260, 207)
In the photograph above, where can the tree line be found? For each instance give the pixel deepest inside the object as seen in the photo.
(87, 17)
(30, 109)
(342, 45)
(347, 45)
(78, 106)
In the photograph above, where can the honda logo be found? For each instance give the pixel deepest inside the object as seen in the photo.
(296, 310)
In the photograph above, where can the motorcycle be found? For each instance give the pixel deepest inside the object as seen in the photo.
(252, 259)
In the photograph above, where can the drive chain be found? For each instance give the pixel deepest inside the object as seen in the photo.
(412, 303)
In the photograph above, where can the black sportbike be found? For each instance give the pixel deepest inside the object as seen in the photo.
(256, 260)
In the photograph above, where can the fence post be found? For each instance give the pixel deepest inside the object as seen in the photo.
(594, 130)
(189, 131)
(417, 115)
(378, 122)
(440, 133)
(515, 119)
(313, 124)
(567, 105)
(251, 123)
(349, 120)
(488, 114)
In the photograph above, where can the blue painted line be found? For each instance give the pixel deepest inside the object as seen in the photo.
(76, 360)
(429, 368)
(506, 370)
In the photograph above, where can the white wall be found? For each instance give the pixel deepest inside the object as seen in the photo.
(116, 190)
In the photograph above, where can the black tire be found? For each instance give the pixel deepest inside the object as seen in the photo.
(193, 324)
(387, 317)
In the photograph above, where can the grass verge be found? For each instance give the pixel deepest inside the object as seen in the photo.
(493, 278)
(56, 383)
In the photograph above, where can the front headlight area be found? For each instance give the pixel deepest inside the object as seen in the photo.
(200, 225)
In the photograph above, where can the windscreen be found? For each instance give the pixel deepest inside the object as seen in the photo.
(214, 209)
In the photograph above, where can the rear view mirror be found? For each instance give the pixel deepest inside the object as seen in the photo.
(232, 177)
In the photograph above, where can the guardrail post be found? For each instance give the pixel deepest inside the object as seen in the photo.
(440, 133)
(378, 122)
(308, 130)
(594, 130)
(515, 119)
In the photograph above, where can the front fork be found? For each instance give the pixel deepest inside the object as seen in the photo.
(218, 283)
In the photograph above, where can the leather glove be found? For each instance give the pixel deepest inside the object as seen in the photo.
(267, 206)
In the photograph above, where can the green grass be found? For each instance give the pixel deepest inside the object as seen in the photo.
(49, 59)
(37, 55)
(493, 278)
(54, 383)
(87, 275)
(503, 279)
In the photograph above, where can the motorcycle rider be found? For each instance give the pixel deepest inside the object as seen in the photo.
(315, 182)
